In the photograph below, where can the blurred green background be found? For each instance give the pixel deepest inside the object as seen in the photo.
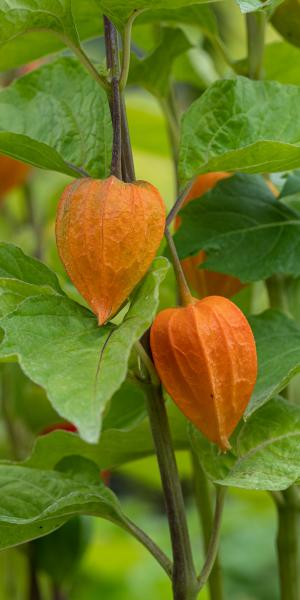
(111, 565)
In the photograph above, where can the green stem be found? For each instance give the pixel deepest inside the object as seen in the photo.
(256, 25)
(183, 578)
(288, 547)
(127, 48)
(186, 297)
(150, 545)
(145, 358)
(277, 291)
(179, 202)
(113, 64)
(127, 156)
(205, 511)
(212, 549)
(84, 59)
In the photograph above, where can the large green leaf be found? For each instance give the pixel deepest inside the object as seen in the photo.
(281, 61)
(265, 452)
(16, 266)
(242, 125)
(127, 408)
(286, 20)
(243, 228)
(34, 502)
(120, 11)
(154, 71)
(278, 347)
(60, 346)
(55, 117)
(21, 49)
(115, 447)
(198, 15)
(19, 16)
(291, 186)
(22, 277)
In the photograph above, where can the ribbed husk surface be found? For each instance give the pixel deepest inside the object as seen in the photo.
(205, 355)
(108, 233)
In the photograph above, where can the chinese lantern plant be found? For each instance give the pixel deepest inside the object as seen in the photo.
(69, 116)
(108, 233)
(206, 358)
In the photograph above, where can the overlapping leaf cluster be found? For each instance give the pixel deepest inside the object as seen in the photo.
(58, 118)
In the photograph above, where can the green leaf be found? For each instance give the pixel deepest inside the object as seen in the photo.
(60, 347)
(19, 16)
(239, 222)
(34, 502)
(34, 153)
(57, 117)
(291, 185)
(241, 125)
(22, 277)
(115, 447)
(60, 552)
(35, 43)
(154, 71)
(265, 450)
(278, 347)
(127, 408)
(281, 61)
(198, 15)
(119, 11)
(286, 20)
(17, 266)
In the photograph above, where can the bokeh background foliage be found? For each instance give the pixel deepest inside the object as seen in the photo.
(57, 119)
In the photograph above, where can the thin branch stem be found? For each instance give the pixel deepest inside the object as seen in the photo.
(256, 25)
(220, 47)
(127, 48)
(84, 59)
(184, 578)
(215, 538)
(127, 156)
(205, 512)
(186, 297)
(148, 363)
(7, 382)
(179, 202)
(113, 63)
(151, 546)
(116, 161)
(82, 172)
(277, 497)
(288, 547)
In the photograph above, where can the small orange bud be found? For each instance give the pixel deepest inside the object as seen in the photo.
(107, 234)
